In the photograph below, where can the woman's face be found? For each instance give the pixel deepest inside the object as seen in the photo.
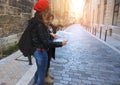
(51, 19)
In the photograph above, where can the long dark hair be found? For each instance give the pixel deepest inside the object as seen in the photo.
(42, 16)
(50, 15)
(38, 16)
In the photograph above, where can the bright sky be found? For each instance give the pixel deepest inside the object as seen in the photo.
(76, 7)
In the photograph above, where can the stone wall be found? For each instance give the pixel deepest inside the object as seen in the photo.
(109, 12)
(118, 23)
(13, 20)
(13, 16)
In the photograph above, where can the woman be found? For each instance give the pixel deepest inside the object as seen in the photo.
(41, 40)
(51, 51)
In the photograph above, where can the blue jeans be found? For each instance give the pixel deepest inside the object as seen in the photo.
(41, 62)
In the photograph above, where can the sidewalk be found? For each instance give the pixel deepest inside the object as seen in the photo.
(85, 60)
(111, 40)
(11, 70)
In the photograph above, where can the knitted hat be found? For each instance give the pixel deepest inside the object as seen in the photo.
(41, 5)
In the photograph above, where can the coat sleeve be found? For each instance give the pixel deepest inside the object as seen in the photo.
(44, 38)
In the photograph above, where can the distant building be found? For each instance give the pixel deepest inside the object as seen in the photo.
(105, 12)
(64, 11)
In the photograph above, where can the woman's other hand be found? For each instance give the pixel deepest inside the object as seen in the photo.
(64, 42)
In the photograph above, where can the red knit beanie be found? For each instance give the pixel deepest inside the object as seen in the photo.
(41, 5)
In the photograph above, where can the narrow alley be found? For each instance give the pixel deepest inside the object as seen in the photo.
(91, 55)
(85, 60)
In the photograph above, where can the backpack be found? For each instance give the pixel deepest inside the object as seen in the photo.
(25, 42)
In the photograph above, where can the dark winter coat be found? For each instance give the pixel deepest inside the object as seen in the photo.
(41, 36)
(51, 51)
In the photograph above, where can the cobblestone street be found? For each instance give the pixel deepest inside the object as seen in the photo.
(90, 57)
(85, 61)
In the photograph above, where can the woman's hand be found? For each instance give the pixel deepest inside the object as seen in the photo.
(54, 35)
(64, 42)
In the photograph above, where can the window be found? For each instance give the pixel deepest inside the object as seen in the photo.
(116, 12)
(105, 5)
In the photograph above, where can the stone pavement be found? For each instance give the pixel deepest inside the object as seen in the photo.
(111, 40)
(85, 60)
(115, 43)
(11, 70)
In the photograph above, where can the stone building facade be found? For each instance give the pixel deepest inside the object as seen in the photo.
(64, 12)
(60, 9)
(105, 12)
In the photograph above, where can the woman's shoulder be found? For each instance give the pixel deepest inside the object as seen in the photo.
(41, 25)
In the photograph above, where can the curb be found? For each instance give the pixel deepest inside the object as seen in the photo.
(27, 79)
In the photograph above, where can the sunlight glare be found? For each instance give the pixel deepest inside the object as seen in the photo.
(77, 5)
(76, 8)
